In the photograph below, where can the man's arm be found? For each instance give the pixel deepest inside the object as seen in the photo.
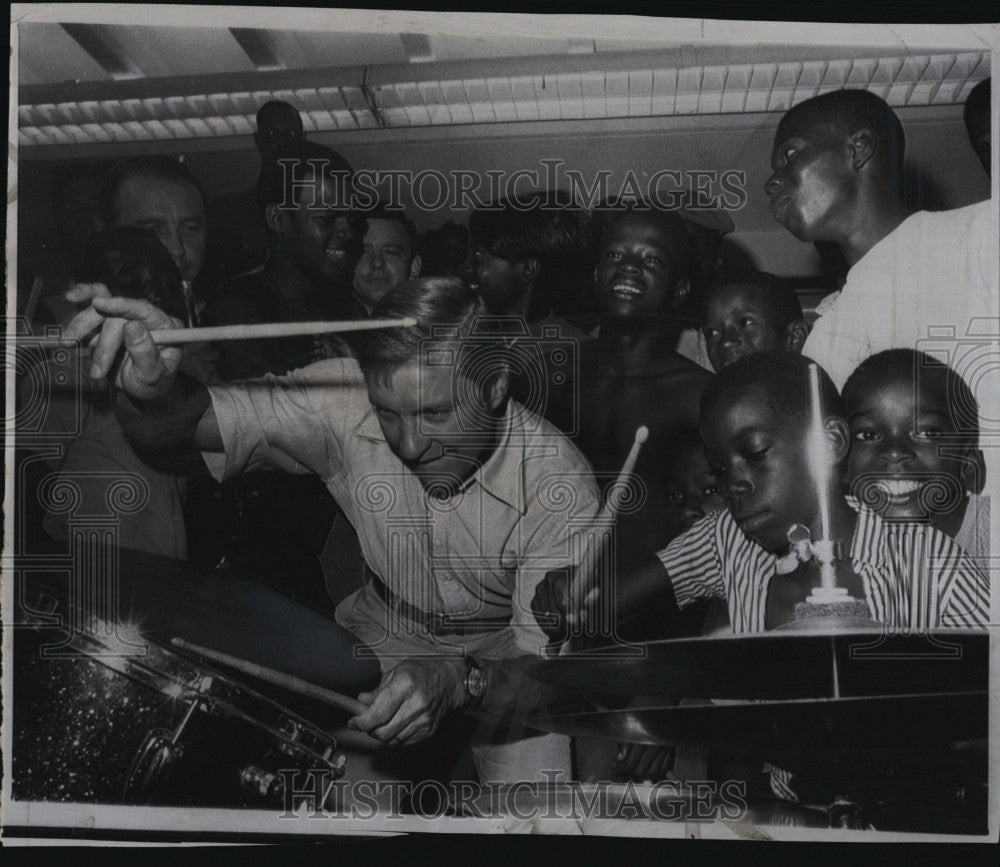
(146, 374)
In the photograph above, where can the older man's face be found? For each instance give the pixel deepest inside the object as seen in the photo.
(174, 211)
(429, 423)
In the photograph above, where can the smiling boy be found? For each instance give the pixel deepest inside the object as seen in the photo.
(914, 449)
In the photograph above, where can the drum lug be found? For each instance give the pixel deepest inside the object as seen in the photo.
(293, 731)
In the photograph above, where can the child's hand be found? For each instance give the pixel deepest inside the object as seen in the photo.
(551, 605)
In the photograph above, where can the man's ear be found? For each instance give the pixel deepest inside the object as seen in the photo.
(796, 333)
(415, 266)
(530, 269)
(682, 288)
(838, 438)
(864, 144)
(974, 471)
(276, 218)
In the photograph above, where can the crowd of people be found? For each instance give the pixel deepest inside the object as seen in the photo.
(436, 507)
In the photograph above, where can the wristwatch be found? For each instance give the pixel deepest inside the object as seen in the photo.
(476, 682)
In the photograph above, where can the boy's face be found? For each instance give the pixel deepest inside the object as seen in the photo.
(898, 464)
(811, 181)
(500, 282)
(759, 458)
(636, 272)
(690, 489)
(738, 323)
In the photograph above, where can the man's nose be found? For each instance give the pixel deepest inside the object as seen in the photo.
(172, 239)
(730, 336)
(412, 444)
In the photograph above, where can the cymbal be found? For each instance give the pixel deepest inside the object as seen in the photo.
(226, 611)
(797, 735)
(779, 665)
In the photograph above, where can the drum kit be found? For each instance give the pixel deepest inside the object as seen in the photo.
(193, 696)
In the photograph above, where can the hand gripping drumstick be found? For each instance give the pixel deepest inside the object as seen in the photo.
(278, 678)
(176, 336)
(584, 577)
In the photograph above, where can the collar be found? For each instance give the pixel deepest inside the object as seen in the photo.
(503, 473)
(501, 476)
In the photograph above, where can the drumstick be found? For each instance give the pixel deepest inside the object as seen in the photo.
(177, 336)
(583, 577)
(278, 678)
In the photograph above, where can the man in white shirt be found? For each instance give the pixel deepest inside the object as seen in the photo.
(462, 498)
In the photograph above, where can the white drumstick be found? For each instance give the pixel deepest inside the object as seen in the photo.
(176, 336)
(583, 577)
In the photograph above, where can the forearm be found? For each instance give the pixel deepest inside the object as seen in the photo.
(644, 586)
(171, 431)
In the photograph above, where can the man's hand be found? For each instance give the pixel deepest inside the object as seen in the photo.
(412, 699)
(551, 605)
(639, 763)
(145, 371)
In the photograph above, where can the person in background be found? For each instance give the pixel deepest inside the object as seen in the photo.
(239, 236)
(630, 375)
(390, 257)
(131, 263)
(314, 245)
(444, 251)
(275, 523)
(837, 165)
(747, 312)
(526, 258)
(162, 194)
(977, 121)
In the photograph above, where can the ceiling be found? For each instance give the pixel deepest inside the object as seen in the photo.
(85, 83)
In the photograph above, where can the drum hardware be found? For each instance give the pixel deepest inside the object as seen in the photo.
(157, 757)
(291, 730)
(260, 782)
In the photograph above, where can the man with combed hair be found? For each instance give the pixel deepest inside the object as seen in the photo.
(460, 496)
(837, 165)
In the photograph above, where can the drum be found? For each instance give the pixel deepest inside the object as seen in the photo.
(107, 715)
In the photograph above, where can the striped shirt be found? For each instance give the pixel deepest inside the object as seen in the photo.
(716, 559)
